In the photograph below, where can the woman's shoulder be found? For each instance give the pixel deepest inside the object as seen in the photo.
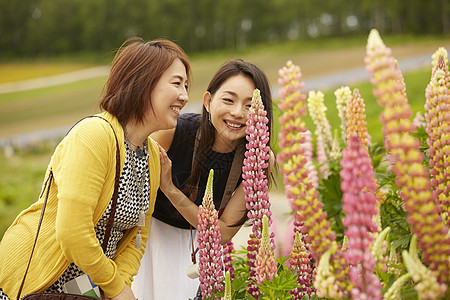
(95, 132)
(187, 125)
(185, 131)
(189, 120)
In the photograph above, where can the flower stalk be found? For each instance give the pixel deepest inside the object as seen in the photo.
(360, 204)
(255, 182)
(210, 250)
(411, 175)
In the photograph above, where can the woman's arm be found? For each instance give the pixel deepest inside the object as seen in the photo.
(79, 167)
(232, 214)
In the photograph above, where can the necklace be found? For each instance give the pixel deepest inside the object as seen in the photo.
(139, 151)
(139, 180)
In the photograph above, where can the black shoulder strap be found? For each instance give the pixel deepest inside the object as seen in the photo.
(233, 176)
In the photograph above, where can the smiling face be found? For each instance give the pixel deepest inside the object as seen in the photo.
(168, 97)
(228, 109)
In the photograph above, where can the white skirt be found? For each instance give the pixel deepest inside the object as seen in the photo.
(163, 271)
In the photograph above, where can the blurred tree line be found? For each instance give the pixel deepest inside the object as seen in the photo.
(47, 27)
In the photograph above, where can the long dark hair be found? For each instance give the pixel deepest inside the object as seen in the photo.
(207, 130)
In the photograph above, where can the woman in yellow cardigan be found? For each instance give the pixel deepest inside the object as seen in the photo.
(145, 92)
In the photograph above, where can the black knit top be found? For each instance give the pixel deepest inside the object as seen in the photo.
(180, 153)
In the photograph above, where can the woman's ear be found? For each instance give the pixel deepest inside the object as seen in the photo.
(207, 100)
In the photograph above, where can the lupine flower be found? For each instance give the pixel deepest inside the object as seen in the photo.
(300, 192)
(266, 265)
(228, 249)
(299, 263)
(210, 251)
(255, 181)
(335, 152)
(343, 95)
(322, 158)
(359, 202)
(356, 118)
(437, 117)
(255, 162)
(379, 249)
(411, 175)
(394, 292)
(307, 147)
(325, 281)
(435, 57)
(419, 120)
(427, 285)
(227, 294)
(394, 262)
(317, 111)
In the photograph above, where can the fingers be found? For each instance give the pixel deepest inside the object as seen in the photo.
(162, 152)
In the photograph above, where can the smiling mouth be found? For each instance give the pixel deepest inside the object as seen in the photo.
(234, 125)
(176, 109)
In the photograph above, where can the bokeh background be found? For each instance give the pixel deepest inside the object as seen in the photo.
(55, 56)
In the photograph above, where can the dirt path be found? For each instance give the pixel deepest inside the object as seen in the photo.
(43, 82)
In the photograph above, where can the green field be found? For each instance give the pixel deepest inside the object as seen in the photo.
(21, 176)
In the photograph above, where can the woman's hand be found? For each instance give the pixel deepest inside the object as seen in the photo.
(166, 171)
(125, 294)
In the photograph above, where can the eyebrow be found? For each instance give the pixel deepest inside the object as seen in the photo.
(235, 94)
(180, 77)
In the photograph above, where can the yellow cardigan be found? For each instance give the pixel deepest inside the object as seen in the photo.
(83, 165)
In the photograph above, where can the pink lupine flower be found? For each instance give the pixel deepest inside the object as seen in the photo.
(252, 250)
(356, 118)
(437, 117)
(411, 176)
(255, 181)
(307, 147)
(266, 265)
(299, 262)
(210, 250)
(300, 191)
(419, 120)
(255, 162)
(359, 202)
(228, 249)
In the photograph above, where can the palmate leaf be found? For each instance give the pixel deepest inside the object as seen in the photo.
(330, 194)
(395, 217)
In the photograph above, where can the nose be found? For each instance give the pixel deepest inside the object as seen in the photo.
(238, 111)
(184, 97)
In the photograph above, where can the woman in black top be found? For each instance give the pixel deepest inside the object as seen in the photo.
(220, 134)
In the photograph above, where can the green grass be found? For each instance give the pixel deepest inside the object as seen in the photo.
(21, 178)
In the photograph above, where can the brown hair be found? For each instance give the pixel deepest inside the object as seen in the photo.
(207, 130)
(136, 69)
